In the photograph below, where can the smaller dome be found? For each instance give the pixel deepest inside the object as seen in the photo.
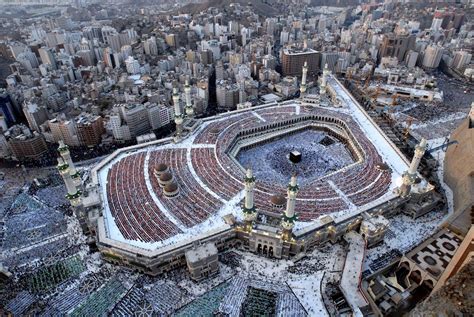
(171, 187)
(278, 200)
(382, 167)
(165, 177)
(214, 131)
(161, 167)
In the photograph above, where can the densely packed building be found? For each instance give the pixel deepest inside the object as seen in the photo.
(280, 157)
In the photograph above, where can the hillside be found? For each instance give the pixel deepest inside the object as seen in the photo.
(260, 6)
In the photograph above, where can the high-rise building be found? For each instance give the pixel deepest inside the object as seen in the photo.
(330, 59)
(87, 57)
(206, 57)
(432, 56)
(136, 117)
(113, 41)
(269, 61)
(132, 65)
(395, 45)
(411, 59)
(150, 46)
(220, 72)
(92, 32)
(28, 59)
(120, 130)
(7, 108)
(65, 130)
(284, 37)
(107, 32)
(458, 20)
(89, 129)
(35, 115)
(47, 57)
(461, 59)
(294, 59)
(24, 144)
(126, 51)
(436, 24)
(5, 150)
(227, 95)
(171, 40)
(213, 46)
(158, 115)
(108, 58)
(3, 123)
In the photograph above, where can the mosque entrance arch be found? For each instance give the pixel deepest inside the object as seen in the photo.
(265, 250)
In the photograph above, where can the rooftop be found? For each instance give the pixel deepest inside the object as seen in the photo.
(201, 252)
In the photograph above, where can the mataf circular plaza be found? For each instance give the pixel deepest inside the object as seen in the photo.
(161, 199)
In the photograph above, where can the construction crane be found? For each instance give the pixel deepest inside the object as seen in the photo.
(367, 80)
(406, 130)
(387, 113)
(376, 93)
(349, 74)
(394, 99)
(442, 147)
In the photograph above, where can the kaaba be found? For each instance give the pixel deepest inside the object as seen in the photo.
(295, 157)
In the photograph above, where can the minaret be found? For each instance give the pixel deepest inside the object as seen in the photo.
(249, 211)
(63, 150)
(189, 105)
(410, 175)
(178, 116)
(73, 194)
(289, 217)
(303, 78)
(324, 80)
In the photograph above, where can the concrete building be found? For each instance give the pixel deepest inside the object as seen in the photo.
(202, 261)
(7, 108)
(87, 57)
(65, 130)
(89, 129)
(171, 40)
(214, 47)
(330, 59)
(107, 32)
(120, 129)
(373, 229)
(432, 56)
(411, 58)
(24, 144)
(35, 115)
(158, 115)
(461, 59)
(136, 117)
(5, 151)
(394, 45)
(150, 46)
(132, 65)
(47, 57)
(227, 95)
(436, 24)
(294, 59)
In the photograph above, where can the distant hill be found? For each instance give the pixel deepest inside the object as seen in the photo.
(261, 7)
(336, 3)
